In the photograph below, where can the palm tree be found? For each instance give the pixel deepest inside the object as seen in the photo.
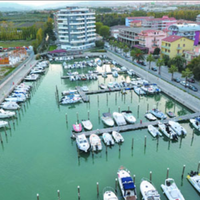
(150, 59)
(186, 74)
(172, 69)
(159, 63)
(137, 54)
(111, 43)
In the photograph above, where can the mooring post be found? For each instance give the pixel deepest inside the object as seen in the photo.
(79, 196)
(97, 189)
(132, 143)
(115, 96)
(99, 113)
(157, 139)
(13, 120)
(183, 171)
(150, 176)
(66, 118)
(1, 138)
(98, 98)
(138, 108)
(106, 149)
(119, 147)
(116, 185)
(9, 124)
(88, 114)
(134, 178)
(131, 94)
(198, 168)
(145, 141)
(119, 109)
(107, 96)
(5, 131)
(128, 108)
(109, 110)
(58, 191)
(167, 172)
(77, 117)
(147, 107)
(38, 196)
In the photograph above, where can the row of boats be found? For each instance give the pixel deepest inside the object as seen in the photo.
(147, 189)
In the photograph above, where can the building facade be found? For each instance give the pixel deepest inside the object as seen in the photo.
(75, 28)
(176, 45)
(198, 18)
(190, 55)
(114, 30)
(128, 20)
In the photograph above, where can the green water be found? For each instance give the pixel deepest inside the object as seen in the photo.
(39, 156)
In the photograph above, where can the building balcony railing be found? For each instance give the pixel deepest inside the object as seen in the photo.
(80, 18)
(92, 38)
(76, 32)
(91, 26)
(93, 34)
(179, 47)
(166, 47)
(166, 53)
(81, 27)
(76, 23)
(77, 41)
(91, 22)
(90, 17)
(92, 30)
(81, 36)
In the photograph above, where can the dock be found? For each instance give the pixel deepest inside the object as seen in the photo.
(82, 94)
(130, 127)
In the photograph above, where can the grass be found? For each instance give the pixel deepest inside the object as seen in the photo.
(16, 43)
(52, 47)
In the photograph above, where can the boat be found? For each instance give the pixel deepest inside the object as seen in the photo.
(194, 179)
(104, 75)
(77, 127)
(168, 131)
(102, 86)
(10, 105)
(123, 91)
(196, 123)
(110, 85)
(82, 143)
(87, 124)
(127, 186)
(119, 119)
(158, 113)
(15, 99)
(6, 114)
(130, 72)
(139, 91)
(171, 114)
(70, 100)
(108, 139)
(3, 124)
(109, 194)
(107, 119)
(117, 137)
(148, 191)
(31, 77)
(177, 128)
(154, 131)
(171, 190)
(85, 88)
(150, 117)
(95, 142)
(37, 71)
(115, 74)
(128, 116)
(67, 92)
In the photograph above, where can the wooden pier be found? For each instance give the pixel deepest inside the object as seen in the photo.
(82, 94)
(130, 127)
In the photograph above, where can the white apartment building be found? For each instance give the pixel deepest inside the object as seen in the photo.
(75, 28)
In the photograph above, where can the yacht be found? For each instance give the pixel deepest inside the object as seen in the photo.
(154, 131)
(119, 119)
(109, 194)
(87, 124)
(168, 131)
(150, 117)
(107, 119)
(127, 114)
(6, 114)
(194, 179)
(196, 123)
(177, 128)
(158, 114)
(108, 139)
(10, 105)
(77, 127)
(82, 143)
(31, 77)
(95, 142)
(3, 124)
(117, 137)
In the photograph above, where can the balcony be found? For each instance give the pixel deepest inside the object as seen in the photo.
(76, 32)
(89, 22)
(91, 26)
(90, 39)
(90, 17)
(93, 34)
(179, 48)
(77, 23)
(166, 53)
(81, 36)
(92, 30)
(80, 18)
(166, 47)
(81, 27)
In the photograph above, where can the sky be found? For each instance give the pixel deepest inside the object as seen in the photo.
(38, 3)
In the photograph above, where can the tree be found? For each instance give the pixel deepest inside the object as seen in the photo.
(150, 59)
(194, 66)
(99, 44)
(172, 69)
(159, 63)
(137, 54)
(178, 61)
(156, 51)
(186, 74)
(98, 27)
(166, 60)
(105, 31)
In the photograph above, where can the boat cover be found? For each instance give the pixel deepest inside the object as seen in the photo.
(127, 183)
(198, 119)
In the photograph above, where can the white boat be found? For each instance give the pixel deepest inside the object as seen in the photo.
(168, 131)
(108, 139)
(177, 128)
(110, 85)
(37, 71)
(87, 124)
(130, 72)
(109, 194)
(85, 88)
(10, 105)
(196, 123)
(82, 142)
(15, 99)
(102, 86)
(126, 184)
(148, 191)
(150, 117)
(139, 91)
(104, 75)
(157, 113)
(119, 119)
(31, 77)
(117, 137)
(67, 92)
(154, 131)
(3, 124)
(95, 142)
(107, 119)
(70, 100)
(194, 178)
(128, 116)
(171, 190)
(115, 74)
(6, 114)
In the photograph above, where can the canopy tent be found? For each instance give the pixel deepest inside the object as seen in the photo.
(127, 183)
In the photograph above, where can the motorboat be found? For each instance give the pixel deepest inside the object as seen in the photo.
(168, 131)
(70, 100)
(154, 131)
(77, 127)
(85, 88)
(31, 77)
(72, 78)
(87, 124)
(82, 142)
(15, 99)
(171, 190)
(196, 123)
(108, 139)
(110, 85)
(6, 114)
(20, 95)
(123, 68)
(148, 191)
(102, 86)
(95, 142)
(68, 92)
(194, 179)
(109, 194)
(158, 113)
(127, 186)
(177, 128)
(3, 124)
(119, 119)
(127, 114)
(9, 105)
(171, 114)
(130, 72)
(150, 117)
(117, 137)
(37, 71)
(138, 90)
(107, 119)
(104, 75)
(115, 74)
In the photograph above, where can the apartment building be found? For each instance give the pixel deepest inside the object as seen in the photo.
(190, 55)
(198, 18)
(75, 28)
(128, 20)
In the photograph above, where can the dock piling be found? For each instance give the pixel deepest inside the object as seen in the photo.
(66, 118)
(145, 141)
(1, 138)
(99, 113)
(119, 109)
(106, 149)
(150, 176)
(116, 185)
(5, 131)
(38, 196)
(167, 173)
(109, 110)
(58, 191)
(157, 139)
(183, 171)
(132, 143)
(198, 168)
(77, 117)
(134, 178)
(88, 114)
(79, 196)
(97, 189)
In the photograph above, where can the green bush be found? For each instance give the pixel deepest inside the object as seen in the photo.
(100, 51)
(38, 56)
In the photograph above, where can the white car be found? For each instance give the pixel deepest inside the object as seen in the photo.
(184, 84)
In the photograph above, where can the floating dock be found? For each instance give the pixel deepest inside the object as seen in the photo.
(82, 94)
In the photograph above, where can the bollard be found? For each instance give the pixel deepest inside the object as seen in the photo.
(77, 118)
(79, 196)
(99, 113)
(132, 143)
(167, 172)
(150, 176)
(106, 149)
(98, 98)
(58, 191)
(38, 196)
(66, 118)
(5, 131)
(131, 94)
(116, 185)
(183, 171)
(115, 96)
(198, 167)
(147, 107)
(1, 138)
(145, 141)
(119, 109)
(134, 178)
(88, 114)
(119, 147)
(97, 189)
(13, 120)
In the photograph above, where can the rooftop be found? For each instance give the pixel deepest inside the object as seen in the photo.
(185, 27)
(171, 38)
(140, 17)
(137, 29)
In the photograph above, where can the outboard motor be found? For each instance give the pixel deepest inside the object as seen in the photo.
(110, 143)
(96, 147)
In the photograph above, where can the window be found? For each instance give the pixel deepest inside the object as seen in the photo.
(168, 51)
(178, 45)
(183, 45)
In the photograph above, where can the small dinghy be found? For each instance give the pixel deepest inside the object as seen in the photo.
(87, 124)
(3, 124)
(77, 127)
(119, 119)
(148, 191)
(194, 178)
(109, 194)
(117, 137)
(6, 114)
(110, 85)
(178, 128)
(107, 138)
(139, 91)
(82, 143)
(95, 142)
(154, 131)
(128, 116)
(150, 117)
(102, 86)
(171, 190)
(158, 114)
(85, 88)
(10, 105)
(171, 114)
(107, 119)
(196, 123)
(69, 100)
(115, 74)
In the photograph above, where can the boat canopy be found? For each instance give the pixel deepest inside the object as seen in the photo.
(107, 115)
(198, 119)
(128, 183)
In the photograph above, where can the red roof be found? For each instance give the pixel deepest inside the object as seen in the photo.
(162, 19)
(171, 38)
(135, 21)
(138, 17)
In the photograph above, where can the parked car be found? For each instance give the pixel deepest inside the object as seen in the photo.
(176, 80)
(192, 87)
(154, 69)
(191, 80)
(141, 63)
(184, 84)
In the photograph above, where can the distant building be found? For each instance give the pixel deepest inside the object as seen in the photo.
(114, 30)
(190, 55)
(175, 45)
(198, 18)
(136, 23)
(128, 20)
